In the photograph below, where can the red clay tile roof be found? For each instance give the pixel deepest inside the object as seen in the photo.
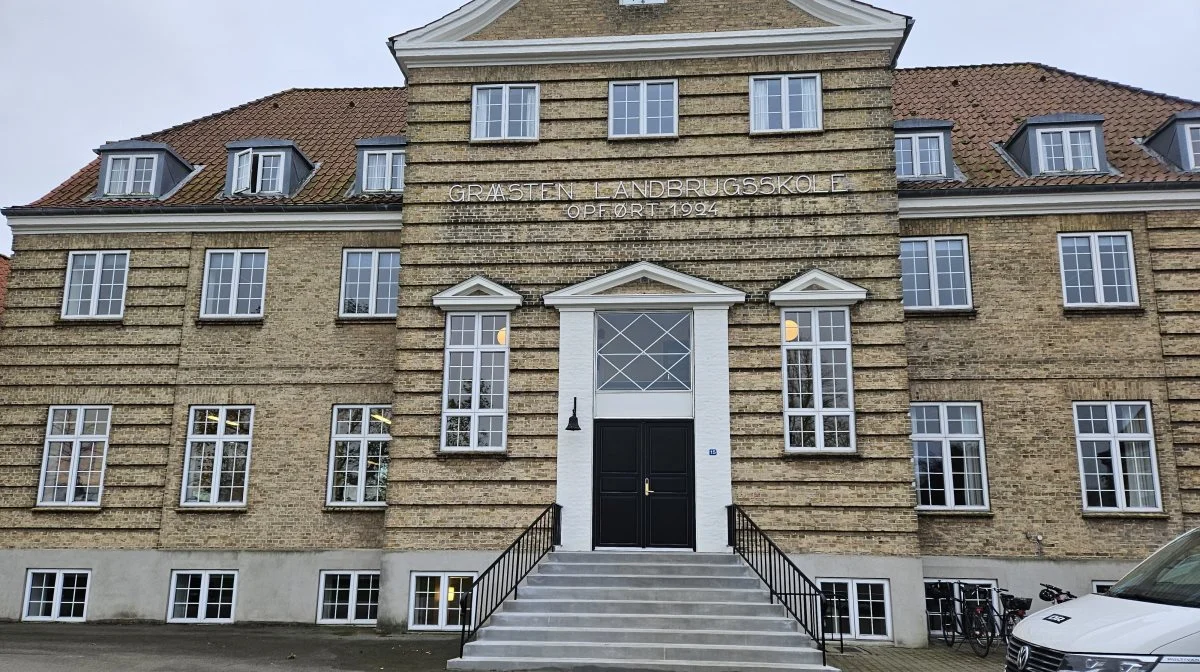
(324, 124)
(987, 103)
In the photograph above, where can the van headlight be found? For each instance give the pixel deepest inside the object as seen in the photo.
(1074, 662)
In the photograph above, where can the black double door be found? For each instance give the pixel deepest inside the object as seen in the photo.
(644, 484)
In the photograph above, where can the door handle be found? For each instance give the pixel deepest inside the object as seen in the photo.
(648, 490)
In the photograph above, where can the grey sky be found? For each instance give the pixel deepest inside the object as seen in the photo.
(77, 73)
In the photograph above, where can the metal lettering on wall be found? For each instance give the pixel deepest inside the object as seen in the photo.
(649, 199)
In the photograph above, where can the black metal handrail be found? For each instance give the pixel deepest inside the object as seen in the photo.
(801, 598)
(497, 582)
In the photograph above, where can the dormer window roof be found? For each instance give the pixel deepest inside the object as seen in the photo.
(923, 149)
(140, 169)
(381, 165)
(1178, 140)
(266, 167)
(1059, 144)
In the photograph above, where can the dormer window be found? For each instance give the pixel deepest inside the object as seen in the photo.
(385, 171)
(258, 172)
(1177, 141)
(1193, 134)
(919, 156)
(130, 176)
(1067, 150)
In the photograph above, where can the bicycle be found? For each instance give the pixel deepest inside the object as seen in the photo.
(1015, 609)
(970, 619)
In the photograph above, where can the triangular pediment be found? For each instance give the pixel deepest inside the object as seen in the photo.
(644, 284)
(477, 293)
(818, 288)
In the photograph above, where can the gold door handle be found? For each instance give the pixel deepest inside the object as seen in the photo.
(648, 490)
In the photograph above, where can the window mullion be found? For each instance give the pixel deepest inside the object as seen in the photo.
(362, 460)
(203, 606)
(374, 281)
(934, 301)
(1118, 472)
(476, 359)
(818, 382)
(94, 302)
(504, 111)
(785, 105)
(644, 118)
(233, 297)
(219, 452)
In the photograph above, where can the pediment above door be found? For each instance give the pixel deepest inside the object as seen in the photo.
(644, 285)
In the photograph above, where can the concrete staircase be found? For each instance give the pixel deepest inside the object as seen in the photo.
(641, 611)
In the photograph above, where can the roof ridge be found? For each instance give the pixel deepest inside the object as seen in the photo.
(1061, 71)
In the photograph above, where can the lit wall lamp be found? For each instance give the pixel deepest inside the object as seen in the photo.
(573, 423)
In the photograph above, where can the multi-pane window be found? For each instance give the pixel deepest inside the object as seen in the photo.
(202, 596)
(855, 608)
(130, 176)
(234, 283)
(643, 109)
(73, 462)
(935, 272)
(1102, 587)
(920, 156)
(505, 112)
(476, 382)
(949, 456)
(349, 598)
(257, 172)
(1116, 456)
(436, 600)
(644, 351)
(1068, 150)
(785, 103)
(370, 283)
(95, 285)
(384, 171)
(1097, 269)
(217, 462)
(818, 379)
(358, 455)
(56, 595)
(1193, 136)
(943, 595)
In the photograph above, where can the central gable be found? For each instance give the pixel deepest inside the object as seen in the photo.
(550, 19)
(644, 285)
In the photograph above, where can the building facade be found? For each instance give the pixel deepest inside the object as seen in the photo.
(4, 271)
(314, 358)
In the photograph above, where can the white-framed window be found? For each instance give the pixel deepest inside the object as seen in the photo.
(1097, 269)
(818, 380)
(857, 608)
(349, 598)
(647, 351)
(95, 285)
(74, 455)
(1102, 587)
(257, 172)
(1117, 461)
(782, 103)
(645, 109)
(384, 171)
(358, 455)
(505, 112)
(202, 596)
(1068, 150)
(131, 175)
(949, 456)
(942, 593)
(435, 601)
(936, 273)
(216, 466)
(235, 282)
(1193, 145)
(475, 401)
(370, 283)
(920, 155)
(56, 595)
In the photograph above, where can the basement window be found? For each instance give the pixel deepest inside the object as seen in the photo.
(56, 595)
(955, 594)
(202, 597)
(349, 598)
(857, 609)
(435, 602)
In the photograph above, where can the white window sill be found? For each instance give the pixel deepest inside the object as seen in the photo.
(948, 310)
(837, 452)
(459, 452)
(624, 138)
(365, 317)
(1102, 306)
(502, 141)
(330, 507)
(194, 621)
(91, 318)
(68, 508)
(1125, 513)
(787, 131)
(350, 624)
(211, 508)
(954, 511)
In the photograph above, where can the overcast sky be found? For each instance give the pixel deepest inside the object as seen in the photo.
(77, 73)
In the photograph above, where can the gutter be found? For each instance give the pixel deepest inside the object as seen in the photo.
(903, 40)
(1052, 189)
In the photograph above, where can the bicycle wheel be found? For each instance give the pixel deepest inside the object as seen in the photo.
(1010, 621)
(949, 626)
(979, 633)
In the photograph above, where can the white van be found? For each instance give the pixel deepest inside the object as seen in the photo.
(1150, 620)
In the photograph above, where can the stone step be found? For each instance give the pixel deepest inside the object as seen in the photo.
(643, 621)
(574, 606)
(647, 594)
(643, 651)
(642, 581)
(645, 556)
(644, 569)
(646, 635)
(540, 663)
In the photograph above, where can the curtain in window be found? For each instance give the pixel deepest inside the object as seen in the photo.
(802, 102)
